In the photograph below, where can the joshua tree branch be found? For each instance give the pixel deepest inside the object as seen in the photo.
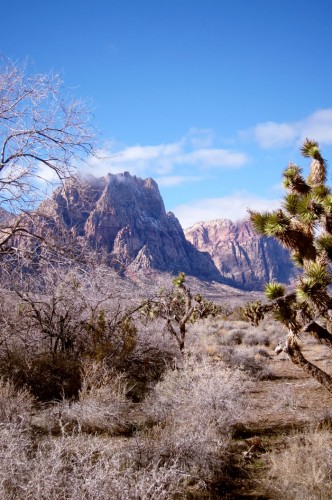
(319, 332)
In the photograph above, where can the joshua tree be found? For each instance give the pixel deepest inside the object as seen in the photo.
(178, 307)
(303, 224)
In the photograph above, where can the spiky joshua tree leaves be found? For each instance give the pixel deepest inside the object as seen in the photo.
(303, 224)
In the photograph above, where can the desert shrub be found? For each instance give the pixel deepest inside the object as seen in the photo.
(15, 405)
(231, 337)
(193, 409)
(56, 377)
(198, 384)
(48, 377)
(84, 467)
(109, 338)
(251, 361)
(256, 338)
(102, 406)
(153, 353)
(303, 470)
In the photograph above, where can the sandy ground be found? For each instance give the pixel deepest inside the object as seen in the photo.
(290, 402)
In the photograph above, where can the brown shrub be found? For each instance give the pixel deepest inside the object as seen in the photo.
(303, 470)
(15, 405)
(193, 409)
(47, 377)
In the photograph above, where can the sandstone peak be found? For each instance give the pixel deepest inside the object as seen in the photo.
(125, 217)
(243, 257)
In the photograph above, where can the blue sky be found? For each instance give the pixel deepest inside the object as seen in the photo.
(211, 99)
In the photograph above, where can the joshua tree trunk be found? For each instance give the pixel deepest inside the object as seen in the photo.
(294, 352)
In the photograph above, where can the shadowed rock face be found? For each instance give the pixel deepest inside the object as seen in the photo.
(241, 255)
(125, 217)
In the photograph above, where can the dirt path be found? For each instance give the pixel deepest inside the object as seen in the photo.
(288, 403)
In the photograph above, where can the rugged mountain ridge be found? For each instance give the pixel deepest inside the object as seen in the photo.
(124, 217)
(241, 255)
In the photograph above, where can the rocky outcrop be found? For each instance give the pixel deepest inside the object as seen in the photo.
(244, 258)
(124, 217)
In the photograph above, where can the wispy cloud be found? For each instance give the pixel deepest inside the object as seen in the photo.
(213, 158)
(273, 135)
(201, 137)
(176, 180)
(234, 207)
(318, 126)
(193, 153)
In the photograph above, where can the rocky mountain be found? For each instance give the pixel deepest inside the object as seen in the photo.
(242, 256)
(124, 217)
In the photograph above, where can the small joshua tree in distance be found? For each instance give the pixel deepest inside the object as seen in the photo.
(178, 307)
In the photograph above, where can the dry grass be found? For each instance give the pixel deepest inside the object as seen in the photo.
(149, 423)
(181, 445)
(303, 469)
(15, 405)
(83, 467)
(102, 406)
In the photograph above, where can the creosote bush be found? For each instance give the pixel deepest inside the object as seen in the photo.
(192, 411)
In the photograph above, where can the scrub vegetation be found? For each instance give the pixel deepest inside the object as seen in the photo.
(113, 388)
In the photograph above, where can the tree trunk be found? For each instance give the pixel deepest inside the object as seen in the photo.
(296, 356)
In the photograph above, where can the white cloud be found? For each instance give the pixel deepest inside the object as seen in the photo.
(200, 137)
(147, 153)
(193, 151)
(175, 180)
(211, 158)
(318, 126)
(234, 207)
(274, 135)
(271, 135)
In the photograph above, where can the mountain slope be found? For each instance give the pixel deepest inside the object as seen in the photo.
(241, 255)
(124, 217)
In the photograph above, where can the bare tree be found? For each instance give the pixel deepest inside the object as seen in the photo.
(43, 134)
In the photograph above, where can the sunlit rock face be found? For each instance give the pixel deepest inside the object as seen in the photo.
(124, 217)
(241, 255)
